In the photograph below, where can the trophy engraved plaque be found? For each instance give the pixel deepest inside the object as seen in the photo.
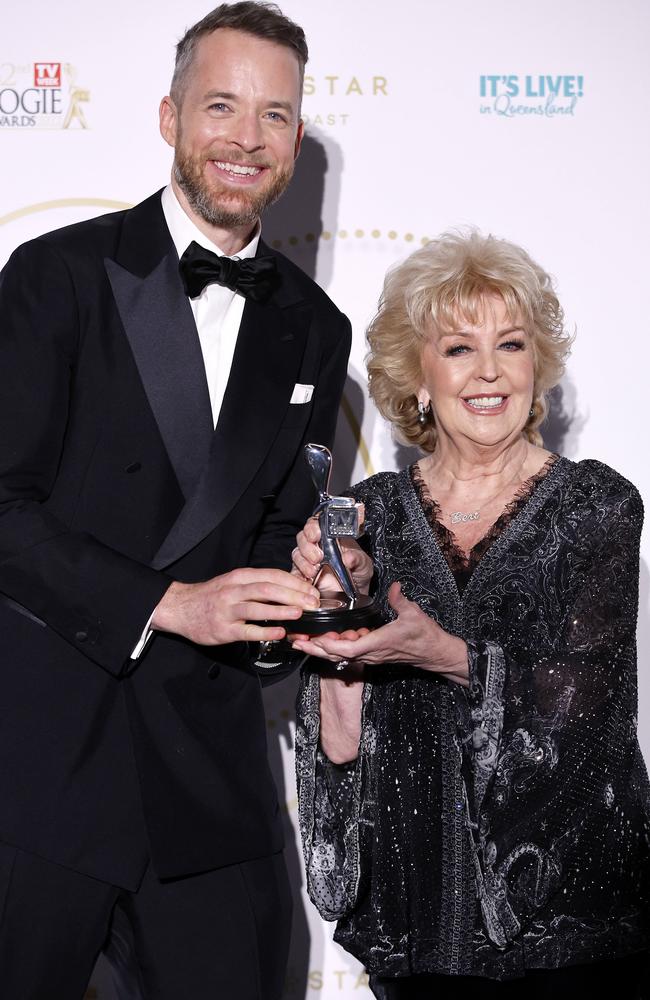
(338, 517)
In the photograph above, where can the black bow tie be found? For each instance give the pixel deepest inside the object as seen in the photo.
(254, 277)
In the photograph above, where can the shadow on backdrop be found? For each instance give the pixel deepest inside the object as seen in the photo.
(563, 425)
(348, 430)
(309, 209)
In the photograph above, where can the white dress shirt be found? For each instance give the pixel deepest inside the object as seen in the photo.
(217, 313)
(217, 310)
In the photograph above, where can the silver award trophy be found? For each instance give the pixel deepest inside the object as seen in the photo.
(339, 517)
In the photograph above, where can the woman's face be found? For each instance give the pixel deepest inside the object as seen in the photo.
(479, 378)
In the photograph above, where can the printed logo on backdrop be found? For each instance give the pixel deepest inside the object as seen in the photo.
(332, 100)
(43, 95)
(514, 96)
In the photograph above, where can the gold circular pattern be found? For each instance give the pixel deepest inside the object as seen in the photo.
(343, 234)
(111, 203)
(45, 206)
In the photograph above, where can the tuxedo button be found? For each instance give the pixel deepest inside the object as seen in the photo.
(81, 636)
(133, 467)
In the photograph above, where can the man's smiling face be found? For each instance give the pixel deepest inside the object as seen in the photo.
(237, 130)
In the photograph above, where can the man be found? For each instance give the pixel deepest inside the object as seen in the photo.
(139, 545)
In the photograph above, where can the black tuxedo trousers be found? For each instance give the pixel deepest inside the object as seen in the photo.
(220, 935)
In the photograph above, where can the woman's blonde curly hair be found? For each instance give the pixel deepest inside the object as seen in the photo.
(440, 285)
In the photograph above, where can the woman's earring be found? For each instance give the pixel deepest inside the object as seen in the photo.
(423, 412)
(531, 412)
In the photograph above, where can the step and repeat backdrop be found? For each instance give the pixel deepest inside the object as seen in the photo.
(529, 121)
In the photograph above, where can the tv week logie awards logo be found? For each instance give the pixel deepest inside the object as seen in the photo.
(42, 95)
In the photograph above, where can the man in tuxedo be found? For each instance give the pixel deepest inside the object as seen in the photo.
(152, 479)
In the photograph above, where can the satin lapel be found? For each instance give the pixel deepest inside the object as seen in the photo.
(265, 367)
(159, 324)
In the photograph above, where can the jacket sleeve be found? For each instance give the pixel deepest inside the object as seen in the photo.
(550, 748)
(94, 597)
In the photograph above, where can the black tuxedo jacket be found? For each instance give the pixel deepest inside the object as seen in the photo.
(112, 483)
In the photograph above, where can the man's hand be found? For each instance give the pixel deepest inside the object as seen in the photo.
(220, 610)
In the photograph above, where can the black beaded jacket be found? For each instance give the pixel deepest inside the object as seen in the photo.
(489, 830)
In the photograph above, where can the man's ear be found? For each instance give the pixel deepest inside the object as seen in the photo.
(168, 116)
(299, 137)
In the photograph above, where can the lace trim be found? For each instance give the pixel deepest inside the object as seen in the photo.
(463, 564)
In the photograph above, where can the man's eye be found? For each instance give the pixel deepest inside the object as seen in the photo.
(276, 116)
(218, 106)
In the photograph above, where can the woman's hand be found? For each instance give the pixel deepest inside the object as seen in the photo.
(307, 558)
(412, 637)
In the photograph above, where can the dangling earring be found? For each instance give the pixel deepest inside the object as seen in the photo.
(423, 412)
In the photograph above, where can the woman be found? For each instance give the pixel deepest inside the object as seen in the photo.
(474, 805)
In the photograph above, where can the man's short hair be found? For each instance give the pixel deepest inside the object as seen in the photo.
(261, 19)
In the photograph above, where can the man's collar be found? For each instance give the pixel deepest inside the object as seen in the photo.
(183, 230)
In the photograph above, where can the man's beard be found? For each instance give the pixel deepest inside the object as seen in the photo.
(212, 204)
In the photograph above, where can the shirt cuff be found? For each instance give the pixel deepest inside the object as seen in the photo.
(147, 632)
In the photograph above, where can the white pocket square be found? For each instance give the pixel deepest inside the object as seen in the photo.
(301, 393)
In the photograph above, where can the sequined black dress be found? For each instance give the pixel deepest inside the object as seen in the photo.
(485, 831)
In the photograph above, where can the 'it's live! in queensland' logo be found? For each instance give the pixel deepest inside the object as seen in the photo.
(514, 96)
(41, 95)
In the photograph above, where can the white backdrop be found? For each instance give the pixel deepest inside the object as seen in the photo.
(527, 120)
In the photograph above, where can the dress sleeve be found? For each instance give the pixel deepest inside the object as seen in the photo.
(336, 801)
(550, 749)
(332, 814)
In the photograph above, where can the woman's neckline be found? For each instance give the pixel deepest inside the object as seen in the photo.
(462, 563)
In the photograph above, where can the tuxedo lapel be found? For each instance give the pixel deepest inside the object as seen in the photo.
(265, 367)
(160, 327)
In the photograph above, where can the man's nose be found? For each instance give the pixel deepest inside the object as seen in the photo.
(247, 132)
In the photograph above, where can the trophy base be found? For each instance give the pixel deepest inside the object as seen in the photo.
(336, 614)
